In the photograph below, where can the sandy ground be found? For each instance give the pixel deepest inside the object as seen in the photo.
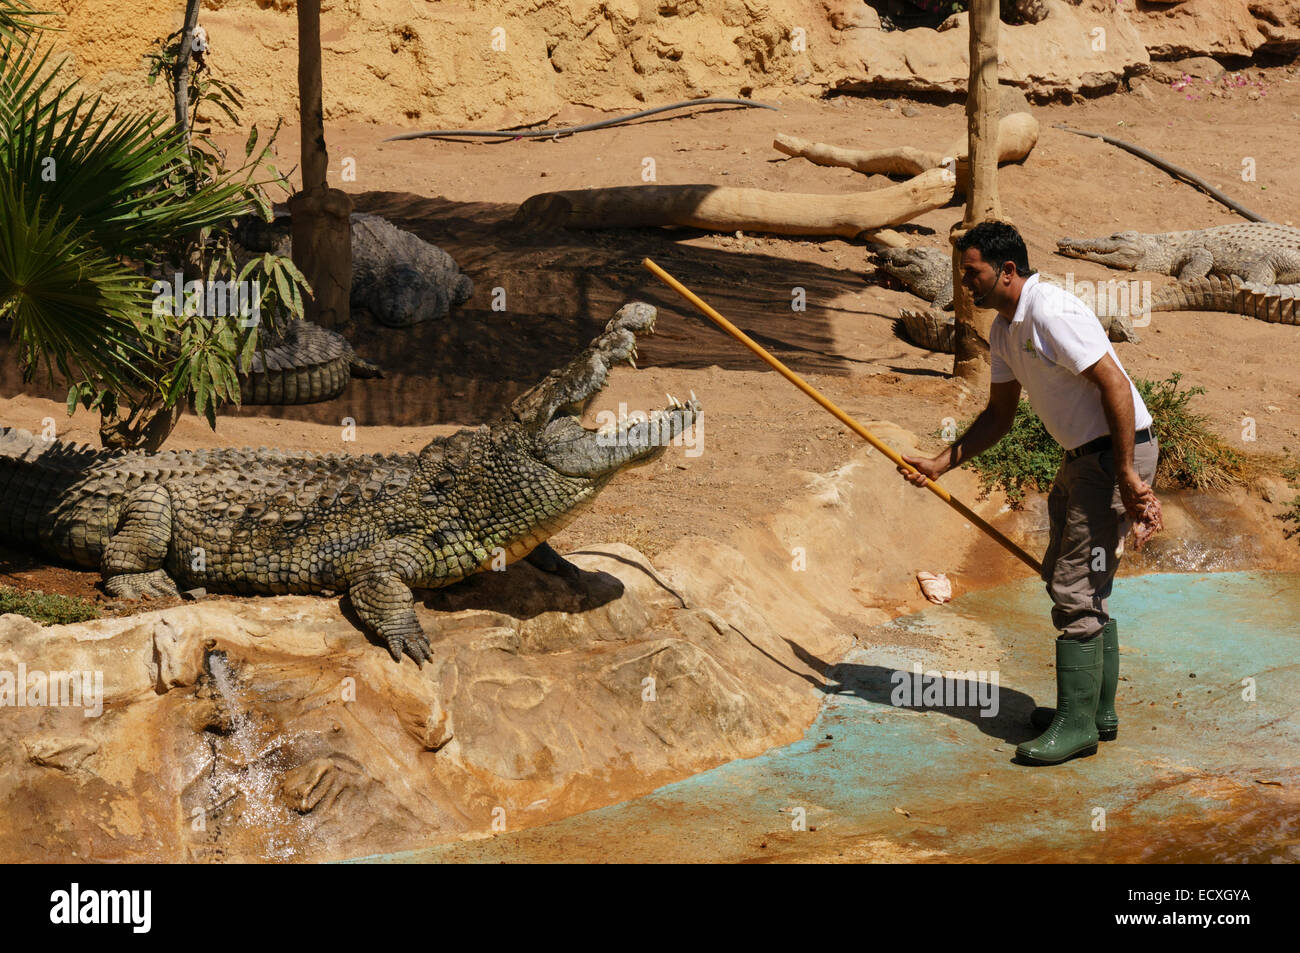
(761, 438)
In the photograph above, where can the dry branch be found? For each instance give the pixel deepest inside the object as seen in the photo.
(1017, 136)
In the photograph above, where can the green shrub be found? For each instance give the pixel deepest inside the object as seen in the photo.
(1025, 460)
(46, 609)
(1190, 455)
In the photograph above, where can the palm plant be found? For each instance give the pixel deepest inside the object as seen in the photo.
(92, 199)
(15, 18)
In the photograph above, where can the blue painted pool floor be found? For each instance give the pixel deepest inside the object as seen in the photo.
(1206, 766)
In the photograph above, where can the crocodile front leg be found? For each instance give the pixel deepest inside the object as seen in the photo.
(379, 587)
(1195, 263)
(133, 558)
(545, 558)
(1260, 271)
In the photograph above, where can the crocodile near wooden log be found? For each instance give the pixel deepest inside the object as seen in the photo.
(927, 273)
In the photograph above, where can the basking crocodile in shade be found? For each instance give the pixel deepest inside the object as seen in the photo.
(274, 522)
(1257, 252)
(397, 277)
(927, 273)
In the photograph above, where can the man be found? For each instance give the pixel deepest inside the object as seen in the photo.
(1048, 340)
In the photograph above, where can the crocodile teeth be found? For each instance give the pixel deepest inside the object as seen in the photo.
(673, 402)
(694, 399)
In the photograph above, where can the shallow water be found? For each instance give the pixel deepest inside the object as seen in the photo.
(1203, 770)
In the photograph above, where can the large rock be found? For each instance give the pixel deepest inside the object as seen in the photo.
(1198, 27)
(1279, 22)
(1075, 49)
(462, 63)
(1232, 28)
(270, 729)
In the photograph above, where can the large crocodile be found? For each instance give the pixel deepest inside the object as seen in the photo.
(927, 273)
(397, 277)
(1257, 252)
(272, 522)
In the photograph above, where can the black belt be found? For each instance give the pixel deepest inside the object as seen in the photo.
(1104, 443)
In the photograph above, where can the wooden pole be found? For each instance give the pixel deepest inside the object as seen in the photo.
(320, 216)
(315, 159)
(971, 334)
(835, 412)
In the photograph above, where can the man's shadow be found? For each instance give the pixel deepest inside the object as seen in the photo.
(883, 686)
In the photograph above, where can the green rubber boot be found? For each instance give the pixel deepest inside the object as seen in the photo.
(1073, 731)
(1107, 720)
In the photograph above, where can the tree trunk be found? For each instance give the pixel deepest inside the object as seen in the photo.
(971, 333)
(144, 426)
(181, 75)
(322, 241)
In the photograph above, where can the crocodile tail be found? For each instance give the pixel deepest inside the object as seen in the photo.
(929, 329)
(1276, 304)
(295, 384)
(36, 478)
(1212, 293)
(362, 368)
(308, 364)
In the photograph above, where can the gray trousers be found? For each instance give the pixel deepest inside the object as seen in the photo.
(1088, 525)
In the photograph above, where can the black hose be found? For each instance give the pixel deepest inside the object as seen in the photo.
(572, 130)
(1177, 172)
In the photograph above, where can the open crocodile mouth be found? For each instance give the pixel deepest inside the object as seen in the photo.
(556, 406)
(619, 440)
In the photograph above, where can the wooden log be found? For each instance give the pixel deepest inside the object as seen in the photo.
(900, 160)
(721, 208)
(1017, 136)
(886, 238)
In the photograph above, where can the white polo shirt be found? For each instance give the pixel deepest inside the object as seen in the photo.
(1051, 339)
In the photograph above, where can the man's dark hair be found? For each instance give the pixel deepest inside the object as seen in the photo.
(998, 243)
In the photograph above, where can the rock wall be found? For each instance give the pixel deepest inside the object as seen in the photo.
(491, 63)
(1220, 27)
